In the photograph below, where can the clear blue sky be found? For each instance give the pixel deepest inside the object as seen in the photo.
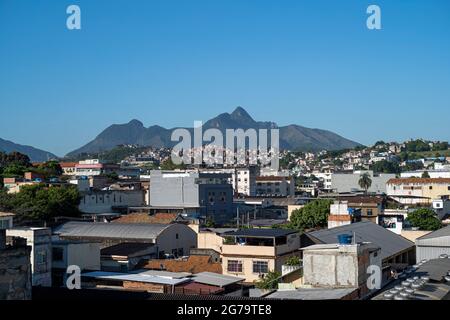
(171, 62)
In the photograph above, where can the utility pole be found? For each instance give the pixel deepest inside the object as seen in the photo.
(237, 217)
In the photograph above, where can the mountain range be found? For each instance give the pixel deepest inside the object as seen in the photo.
(35, 155)
(292, 137)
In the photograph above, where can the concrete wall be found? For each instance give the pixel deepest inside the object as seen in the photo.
(338, 266)
(209, 240)
(173, 190)
(343, 182)
(39, 239)
(84, 255)
(180, 189)
(103, 201)
(15, 273)
(177, 236)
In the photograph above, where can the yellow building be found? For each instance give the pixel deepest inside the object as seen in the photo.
(418, 190)
(252, 253)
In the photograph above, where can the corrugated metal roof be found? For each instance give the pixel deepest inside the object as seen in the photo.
(443, 232)
(366, 231)
(215, 279)
(126, 231)
(163, 273)
(137, 277)
(125, 249)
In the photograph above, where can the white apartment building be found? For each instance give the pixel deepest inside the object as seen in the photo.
(243, 179)
(275, 186)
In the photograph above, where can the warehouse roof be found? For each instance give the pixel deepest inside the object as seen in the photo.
(215, 279)
(124, 231)
(126, 249)
(443, 232)
(136, 277)
(366, 231)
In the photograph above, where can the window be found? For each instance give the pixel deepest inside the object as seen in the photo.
(41, 257)
(4, 224)
(260, 267)
(448, 188)
(431, 187)
(369, 212)
(176, 236)
(58, 254)
(234, 266)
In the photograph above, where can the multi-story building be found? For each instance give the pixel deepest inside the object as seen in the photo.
(252, 253)
(275, 186)
(368, 206)
(341, 214)
(95, 167)
(15, 267)
(418, 190)
(108, 201)
(39, 239)
(69, 168)
(243, 179)
(210, 193)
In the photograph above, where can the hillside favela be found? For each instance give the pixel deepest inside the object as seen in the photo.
(156, 162)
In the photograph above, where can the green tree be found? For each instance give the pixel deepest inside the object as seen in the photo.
(270, 281)
(424, 219)
(293, 261)
(209, 223)
(38, 202)
(313, 215)
(425, 175)
(365, 181)
(169, 165)
(14, 170)
(385, 166)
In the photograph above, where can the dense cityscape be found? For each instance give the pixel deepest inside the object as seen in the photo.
(132, 220)
(226, 158)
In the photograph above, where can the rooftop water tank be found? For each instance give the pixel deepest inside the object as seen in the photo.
(345, 238)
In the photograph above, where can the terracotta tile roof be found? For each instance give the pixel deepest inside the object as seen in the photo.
(362, 199)
(194, 264)
(68, 164)
(419, 181)
(339, 217)
(163, 218)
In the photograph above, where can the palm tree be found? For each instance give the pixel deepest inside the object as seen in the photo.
(365, 181)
